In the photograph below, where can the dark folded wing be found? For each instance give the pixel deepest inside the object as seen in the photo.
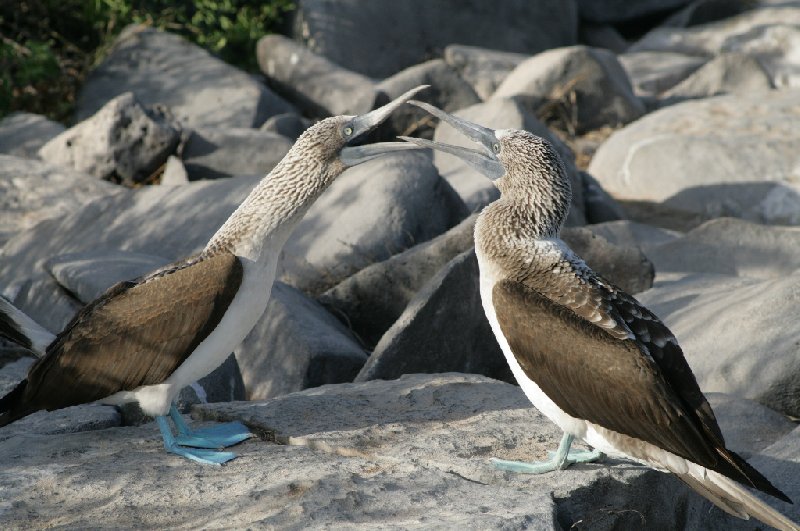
(135, 334)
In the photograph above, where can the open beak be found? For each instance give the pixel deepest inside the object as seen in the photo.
(352, 155)
(484, 159)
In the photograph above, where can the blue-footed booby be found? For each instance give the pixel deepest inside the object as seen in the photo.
(588, 355)
(144, 340)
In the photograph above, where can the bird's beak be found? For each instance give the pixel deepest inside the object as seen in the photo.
(352, 155)
(484, 160)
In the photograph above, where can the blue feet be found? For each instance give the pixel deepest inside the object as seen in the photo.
(202, 441)
(559, 460)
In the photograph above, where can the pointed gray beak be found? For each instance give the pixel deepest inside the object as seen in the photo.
(352, 155)
(484, 160)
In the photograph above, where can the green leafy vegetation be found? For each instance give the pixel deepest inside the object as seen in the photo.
(48, 46)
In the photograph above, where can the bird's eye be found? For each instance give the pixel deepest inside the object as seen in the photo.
(496, 148)
(348, 131)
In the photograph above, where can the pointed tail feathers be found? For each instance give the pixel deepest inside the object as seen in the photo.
(734, 499)
(18, 328)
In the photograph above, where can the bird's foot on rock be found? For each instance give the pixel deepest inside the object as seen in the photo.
(218, 436)
(559, 459)
(205, 456)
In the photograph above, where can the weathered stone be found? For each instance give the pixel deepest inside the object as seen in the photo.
(706, 11)
(216, 153)
(161, 68)
(370, 301)
(123, 142)
(443, 329)
(728, 73)
(721, 321)
(23, 133)
(602, 92)
(730, 246)
(447, 90)
(296, 344)
(174, 172)
(87, 275)
(32, 191)
(625, 232)
(625, 266)
(40, 297)
(622, 10)
(313, 83)
(598, 205)
(381, 37)
(652, 73)
(602, 36)
(289, 124)
(700, 156)
(370, 213)
(482, 68)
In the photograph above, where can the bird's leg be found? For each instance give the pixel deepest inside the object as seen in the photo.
(205, 456)
(217, 436)
(559, 460)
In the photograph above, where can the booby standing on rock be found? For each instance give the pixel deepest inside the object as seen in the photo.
(588, 355)
(146, 339)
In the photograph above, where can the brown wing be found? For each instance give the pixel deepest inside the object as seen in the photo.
(135, 334)
(592, 375)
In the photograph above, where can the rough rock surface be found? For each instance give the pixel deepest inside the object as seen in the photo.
(312, 82)
(23, 133)
(211, 153)
(652, 73)
(381, 37)
(296, 344)
(199, 89)
(728, 73)
(625, 232)
(123, 142)
(288, 124)
(602, 92)
(700, 156)
(482, 68)
(370, 301)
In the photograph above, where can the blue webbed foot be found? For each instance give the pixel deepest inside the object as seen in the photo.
(559, 460)
(218, 436)
(205, 456)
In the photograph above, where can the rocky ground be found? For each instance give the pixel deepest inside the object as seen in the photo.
(681, 143)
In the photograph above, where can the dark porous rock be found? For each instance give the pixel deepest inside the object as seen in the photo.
(652, 73)
(32, 191)
(728, 73)
(622, 10)
(314, 84)
(373, 211)
(23, 133)
(443, 329)
(370, 301)
(482, 68)
(218, 153)
(624, 266)
(296, 344)
(730, 246)
(381, 37)
(289, 124)
(123, 142)
(161, 68)
(589, 82)
(87, 275)
(599, 206)
(447, 90)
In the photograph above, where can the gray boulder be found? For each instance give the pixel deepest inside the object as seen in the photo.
(630, 233)
(700, 156)
(32, 191)
(289, 124)
(728, 73)
(602, 92)
(482, 68)
(123, 142)
(652, 73)
(296, 344)
(381, 37)
(602, 36)
(598, 205)
(174, 172)
(370, 301)
(447, 90)
(313, 83)
(161, 68)
(739, 334)
(699, 12)
(218, 153)
(43, 299)
(621, 10)
(729, 246)
(23, 133)
(371, 212)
